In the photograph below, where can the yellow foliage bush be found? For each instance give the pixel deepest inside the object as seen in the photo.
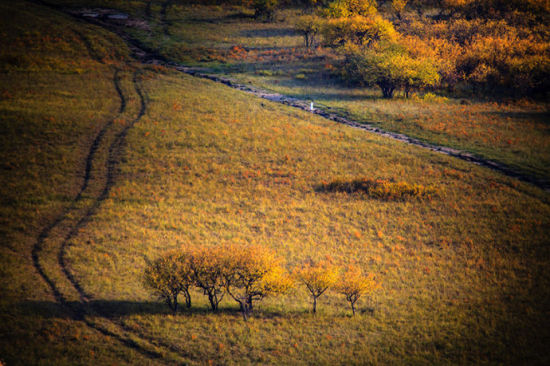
(379, 188)
(318, 278)
(353, 284)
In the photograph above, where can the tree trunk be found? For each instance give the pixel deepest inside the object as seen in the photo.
(213, 302)
(187, 298)
(175, 302)
(314, 304)
(249, 304)
(387, 92)
(244, 310)
(353, 307)
(387, 88)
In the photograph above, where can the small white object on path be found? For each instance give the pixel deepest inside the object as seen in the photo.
(311, 107)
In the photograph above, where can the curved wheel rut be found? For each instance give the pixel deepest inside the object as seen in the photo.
(97, 174)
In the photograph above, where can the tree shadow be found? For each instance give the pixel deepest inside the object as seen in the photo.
(229, 18)
(106, 308)
(268, 33)
(539, 117)
(113, 309)
(116, 309)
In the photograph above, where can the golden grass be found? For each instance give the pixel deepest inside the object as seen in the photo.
(464, 275)
(210, 165)
(271, 56)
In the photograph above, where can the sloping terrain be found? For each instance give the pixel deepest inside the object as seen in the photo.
(107, 163)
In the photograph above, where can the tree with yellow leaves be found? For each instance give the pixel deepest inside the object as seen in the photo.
(209, 268)
(318, 278)
(168, 276)
(252, 273)
(389, 66)
(354, 284)
(398, 6)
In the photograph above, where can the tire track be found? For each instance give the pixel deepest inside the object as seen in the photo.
(115, 152)
(80, 310)
(46, 231)
(94, 55)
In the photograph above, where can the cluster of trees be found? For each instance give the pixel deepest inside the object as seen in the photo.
(247, 274)
(371, 46)
(482, 44)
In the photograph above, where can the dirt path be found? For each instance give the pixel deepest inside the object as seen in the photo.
(141, 53)
(327, 113)
(99, 177)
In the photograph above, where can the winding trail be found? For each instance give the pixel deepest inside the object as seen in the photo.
(99, 177)
(328, 113)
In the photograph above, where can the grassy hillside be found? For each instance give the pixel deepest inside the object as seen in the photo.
(271, 55)
(107, 163)
(57, 95)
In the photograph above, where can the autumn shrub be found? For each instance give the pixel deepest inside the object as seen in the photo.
(379, 188)
(353, 284)
(432, 98)
(168, 276)
(388, 66)
(318, 278)
(252, 273)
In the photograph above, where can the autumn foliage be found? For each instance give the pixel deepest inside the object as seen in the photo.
(168, 276)
(251, 273)
(354, 284)
(317, 278)
(486, 46)
(383, 189)
(247, 273)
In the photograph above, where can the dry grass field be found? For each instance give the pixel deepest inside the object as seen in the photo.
(107, 163)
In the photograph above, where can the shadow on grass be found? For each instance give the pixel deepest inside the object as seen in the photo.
(229, 18)
(268, 33)
(539, 117)
(113, 309)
